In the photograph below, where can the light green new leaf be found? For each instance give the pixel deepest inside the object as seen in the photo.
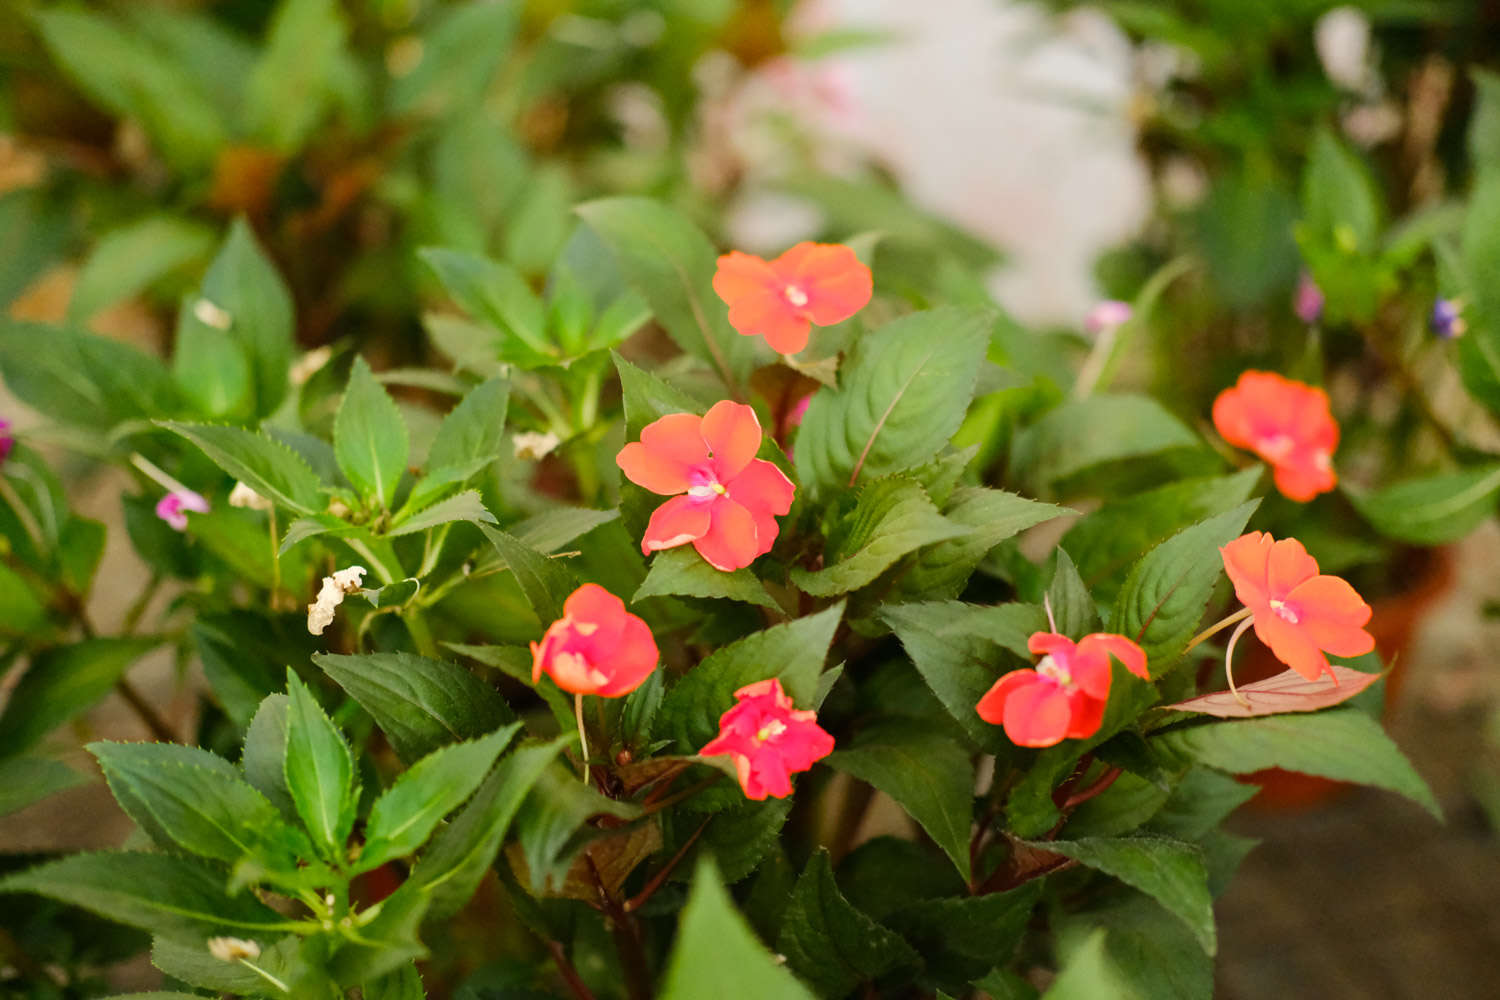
(243, 284)
(1170, 871)
(717, 954)
(1343, 744)
(893, 517)
(1090, 974)
(671, 263)
(369, 436)
(267, 466)
(405, 815)
(319, 771)
(927, 772)
(901, 395)
(420, 704)
(683, 572)
(474, 430)
(1432, 510)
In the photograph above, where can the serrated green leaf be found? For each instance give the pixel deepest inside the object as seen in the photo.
(941, 570)
(474, 430)
(465, 506)
(717, 954)
(544, 581)
(552, 825)
(267, 466)
(319, 771)
(515, 662)
(1169, 871)
(902, 394)
(264, 757)
(647, 397)
(404, 983)
(739, 837)
(925, 771)
(62, 682)
(167, 895)
(671, 263)
(1161, 602)
(25, 780)
(1086, 433)
(243, 284)
(1432, 510)
(831, 945)
(893, 517)
(369, 436)
(555, 527)
(987, 927)
(405, 815)
(794, 652)
(1344, 744)
(419, 703)
(682, 572)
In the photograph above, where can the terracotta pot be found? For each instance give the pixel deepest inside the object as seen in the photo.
(1393, 623)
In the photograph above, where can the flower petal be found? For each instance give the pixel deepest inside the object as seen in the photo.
(1287, 565)
(635, 656)
(1122, 649)
(1050, 643)
(1232, 419)
(652, 471)
(733, 432)
(742, 274)
(1333, 615)
(1087, 715)
(836, 283)
(769, 315)
(1301, 478)
(730, 542)
(761, 486)
(1291, 645)
(991, 706)
(677, 436)
(1245, 561)
(678, 521)
(1037, 715)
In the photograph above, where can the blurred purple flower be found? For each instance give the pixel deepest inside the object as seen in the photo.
(175, 506)
(1447, 319)
(1107, 315)
(1308, 303)
(6, 441)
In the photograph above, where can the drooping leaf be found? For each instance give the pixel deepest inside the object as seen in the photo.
(902, 394)
(419, 703)
(1288, 691)
(369, 436)
(1433, 510)
(62, 682)
(319, 771)
(268, 467)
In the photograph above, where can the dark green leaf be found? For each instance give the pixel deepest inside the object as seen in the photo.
(1152, 952)
(62, 682)
(369, 436)
(268, 467)
(1202, 800)
(552, 825)
(1088, 432)
(544, 581)
(1433, 510)
(264, 758)
(465, 506)
(987, 927)
(319, 771)
(1073, 610)
(941, 570)
(682, 572)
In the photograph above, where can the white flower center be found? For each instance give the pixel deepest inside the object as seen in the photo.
(795, 296)
(1050, 669)
(1277, 447)
(770, 730)
(1283, 612)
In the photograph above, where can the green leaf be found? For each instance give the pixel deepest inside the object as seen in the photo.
(474, 430)
(515, 662)
(21, 608)
(552, 826)
(167, 895)
(496, 295)
(369, 436)
(893, 517)
(462, 852)
(682, 572)
(557, 526)
(1089, 974)
(717, 954)
(987, 927)
(289, 89)
(1107, 542)
(419, 703)
(1202, 800)
(794, 652)
(62, 682)
(210, 367)
(267, 466)
(829, 943)
(1151, 950)
(82, 380)
(671, 263)
(961, 650)
(1072, 608)
(1340, 204)
(1169, 871)
(544, 581)
(739, 837)
(1162, 600)
(646, 397)
(1343, 744)
(319, 771)
(404, 983)
(133, 79)
(1484, 125)
(1086, 433)
(459, 55)
(264, 758)
(941, 570)
(1432, 510)
(1477, 272)
(925, 771)
(405, 815)
(24, 780)
(197, 799)
(902, 394)
(191, 963)
(131, 258)
(244, 285)
(465, 506)
(392, 595)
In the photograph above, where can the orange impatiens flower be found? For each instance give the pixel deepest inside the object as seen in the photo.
(768, 739)
(1064, 697)
(1287, 423)
(822, 283)
(1297, 612)
(596, 647)
(730, 499)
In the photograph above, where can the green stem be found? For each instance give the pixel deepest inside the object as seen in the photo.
(421, 633)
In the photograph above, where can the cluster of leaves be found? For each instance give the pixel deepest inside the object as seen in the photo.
(406, 756)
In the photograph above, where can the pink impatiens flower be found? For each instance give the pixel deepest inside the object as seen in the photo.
(768, 739)
(175, 507)
(1064, 697)
(730, 499)
(6, 441)
(822, 283)
(1285, 422)
(596, 647)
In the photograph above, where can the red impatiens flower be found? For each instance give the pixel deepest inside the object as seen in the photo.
(1064, 697)
(1286, 423)
(822, 283)
(1297, 612)
(768, 739)
(731, 498)
(596, 647)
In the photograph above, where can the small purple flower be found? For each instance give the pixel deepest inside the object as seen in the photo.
(6, 441)
(1308, 303)
(1107, 315)
(1447, 319)
(175, 506)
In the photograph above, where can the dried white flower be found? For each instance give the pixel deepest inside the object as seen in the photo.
(231, 949)
(1342, 38)
(212, 315)
(532, 445)
(308, 364)
(244, 496)
(320, 612)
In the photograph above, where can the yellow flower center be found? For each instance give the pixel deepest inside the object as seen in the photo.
(770, 730)
(795, 296)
